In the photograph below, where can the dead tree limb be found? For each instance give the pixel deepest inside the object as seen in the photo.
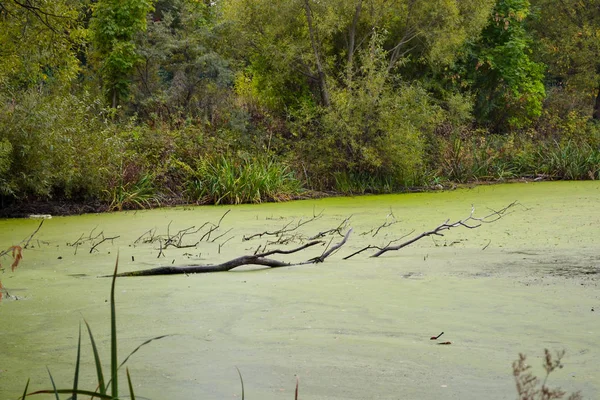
(471, 222)
(337, 230)
(256, 259)
(104, 239)
(369, 247)
(214, 227)
(385, 224)
(33, 234)
(285, 228)
(329, 252)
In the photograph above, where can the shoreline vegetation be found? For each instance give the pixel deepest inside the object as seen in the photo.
(196, 102)
(43, 209)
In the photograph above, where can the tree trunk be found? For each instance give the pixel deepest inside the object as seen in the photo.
(314, 43)
(596, 114)
(352, 40)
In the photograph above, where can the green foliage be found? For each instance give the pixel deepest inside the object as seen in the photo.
(61, 144)
(474, 157)
(39, 41)
(569, 160)
(113, 27)
(362, 183)
(507, 83)
(290, 58)
(5, 163)
(374, 127)
(229, 181)
(568, 32)
(180, 75)
(356, 96)
(133, 195)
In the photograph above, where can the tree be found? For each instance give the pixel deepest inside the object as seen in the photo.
(179, 70)
(113, 27)
(507, 83)
(569, 31)
(39, 40)
(315, 43)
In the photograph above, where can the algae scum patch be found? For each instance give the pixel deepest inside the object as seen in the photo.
(350, 329)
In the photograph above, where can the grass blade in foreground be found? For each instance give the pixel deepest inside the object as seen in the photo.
(76, 378)
(113, 336)
(241, 380)
(131, 394)
(53, 384)
(101, 385)
(25, 391)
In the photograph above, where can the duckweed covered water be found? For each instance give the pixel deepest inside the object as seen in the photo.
(354, 329)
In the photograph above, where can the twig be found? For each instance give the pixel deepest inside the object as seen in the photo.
(385, 224)
(104, 239)
(33, 234)
(378, 247)
(284, 229)
(220, 236)
(337, 230)
(214, 227)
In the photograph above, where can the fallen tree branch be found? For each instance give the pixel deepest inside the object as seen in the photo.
(378, 247)
(471, 222)
(256, 259)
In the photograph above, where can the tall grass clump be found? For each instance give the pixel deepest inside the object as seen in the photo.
(569, 160)
(226, 180)
(132, 195)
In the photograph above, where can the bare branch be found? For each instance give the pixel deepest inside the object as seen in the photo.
(337, 230)
(257, 259)
(285, 228)
(33, 234)
(385, 224)
(466, 223)
(104, 239)
(329, 252)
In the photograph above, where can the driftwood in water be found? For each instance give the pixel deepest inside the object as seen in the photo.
(255, 259)
(263, 258)
(471, 222)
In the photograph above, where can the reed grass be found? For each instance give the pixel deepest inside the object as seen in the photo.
(228, 181)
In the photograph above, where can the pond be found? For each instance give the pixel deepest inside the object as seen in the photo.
(349, 329)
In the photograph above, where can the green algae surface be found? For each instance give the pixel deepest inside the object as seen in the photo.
(349, 329)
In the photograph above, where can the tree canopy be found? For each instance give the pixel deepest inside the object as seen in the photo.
(180, 99)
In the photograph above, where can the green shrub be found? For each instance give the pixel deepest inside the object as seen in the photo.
(62, 145)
